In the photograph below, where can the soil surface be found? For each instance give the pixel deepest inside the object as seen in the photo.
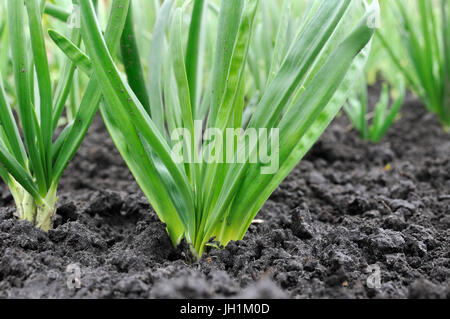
(348, 205)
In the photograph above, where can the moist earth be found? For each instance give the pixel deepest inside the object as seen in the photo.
(350, 207)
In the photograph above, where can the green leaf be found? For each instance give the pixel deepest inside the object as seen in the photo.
(56, 11)
(195, 51)
(10, 128)
(132, 61)
(43, 77)
(281, 40)
(156, 61)
(65, 83)
(18, 172)
(72, 51)
(32, 134)
(229, 22)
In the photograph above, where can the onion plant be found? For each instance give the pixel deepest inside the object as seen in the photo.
(383, 115)
(423, 53)
(209, 201)
(32, 155)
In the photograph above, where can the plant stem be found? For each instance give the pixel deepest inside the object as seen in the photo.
(25, 203)
(38, 214)
(45, 212)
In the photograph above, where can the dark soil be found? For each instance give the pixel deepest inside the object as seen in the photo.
(348, 205)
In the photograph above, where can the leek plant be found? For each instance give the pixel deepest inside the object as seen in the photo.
(200, 198)
(424, 57)
(32, 155)
(383, 115)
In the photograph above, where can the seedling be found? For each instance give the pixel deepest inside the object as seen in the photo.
(374, 125)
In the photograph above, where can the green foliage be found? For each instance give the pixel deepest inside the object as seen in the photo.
(32, 166)
(374, 125)
(421, 49)
(202, 74)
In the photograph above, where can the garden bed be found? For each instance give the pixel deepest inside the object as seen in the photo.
(349, 204)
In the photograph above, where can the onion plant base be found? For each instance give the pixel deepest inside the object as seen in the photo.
(38, 214)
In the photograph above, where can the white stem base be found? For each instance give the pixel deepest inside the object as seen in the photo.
(28, 209)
